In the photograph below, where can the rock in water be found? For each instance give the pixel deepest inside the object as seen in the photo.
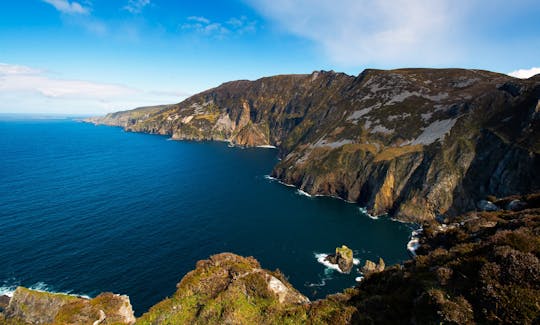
(370, 267)
(343, 258)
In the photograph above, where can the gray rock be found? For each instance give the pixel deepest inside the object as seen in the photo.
(4, 302)
(485, 205)
(516, 205)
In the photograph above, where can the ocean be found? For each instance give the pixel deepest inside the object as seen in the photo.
(86, 209)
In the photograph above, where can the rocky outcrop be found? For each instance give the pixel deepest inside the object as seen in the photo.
(415, 143)
(372, 267)
(343, 258)
(37, 307)
(228, 289)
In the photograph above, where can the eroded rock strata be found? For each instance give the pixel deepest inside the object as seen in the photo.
(415, 143)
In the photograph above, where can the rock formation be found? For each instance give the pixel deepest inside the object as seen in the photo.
(415, 143)
(37, 307)
(229, 289)
(342, 258)
(370, 267)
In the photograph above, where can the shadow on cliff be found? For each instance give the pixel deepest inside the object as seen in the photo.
(498, 169)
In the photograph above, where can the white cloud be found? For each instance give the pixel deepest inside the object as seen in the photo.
(18, 78)
(136, 6)
(25, 88)
(13, 69)
(355, 32)
(199, 19)
(205, 26)
(66, 7)
(525, 73)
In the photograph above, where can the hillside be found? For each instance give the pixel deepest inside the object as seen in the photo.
(414, 143)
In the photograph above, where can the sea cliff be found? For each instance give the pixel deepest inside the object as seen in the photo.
(414, 143)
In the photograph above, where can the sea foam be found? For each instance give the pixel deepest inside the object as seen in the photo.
(8, 290)
(321, 258)
(414, 242)
(300, 192)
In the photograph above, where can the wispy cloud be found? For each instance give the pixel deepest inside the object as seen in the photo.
(21, 84)
(206, 27)
(136, 6)
(17, 70)
(365, 31)
(525, 73)
(18, 78)
(66, 7)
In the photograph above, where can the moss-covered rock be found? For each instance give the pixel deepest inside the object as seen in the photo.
(38, 307)
(230, 289)
(342, 258)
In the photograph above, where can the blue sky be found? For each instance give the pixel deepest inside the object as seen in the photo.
(98, 56)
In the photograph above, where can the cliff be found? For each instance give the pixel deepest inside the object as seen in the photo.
(480, 267)
(414, 143)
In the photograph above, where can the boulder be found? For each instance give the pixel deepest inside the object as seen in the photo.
(4, 302)
(485, 205)
(343, 258)
(516, 205)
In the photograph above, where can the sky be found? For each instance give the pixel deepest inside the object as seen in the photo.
(99, 56)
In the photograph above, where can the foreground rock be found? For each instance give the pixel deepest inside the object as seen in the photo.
(343, 258)
(36, 307)
(229, 289)
(415, 143)
(4, 302)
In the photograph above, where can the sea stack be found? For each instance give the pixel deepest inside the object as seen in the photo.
(343, 258)
(371, 267)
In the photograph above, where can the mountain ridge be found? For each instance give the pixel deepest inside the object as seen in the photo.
(410, 142)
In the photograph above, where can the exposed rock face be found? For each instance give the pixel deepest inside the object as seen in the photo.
(370, 267)
(343, 258)
(412, 142)
(36, 307)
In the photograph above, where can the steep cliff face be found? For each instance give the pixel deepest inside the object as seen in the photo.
(411, 142)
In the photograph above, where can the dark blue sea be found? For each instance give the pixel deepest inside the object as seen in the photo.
(86, 209)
